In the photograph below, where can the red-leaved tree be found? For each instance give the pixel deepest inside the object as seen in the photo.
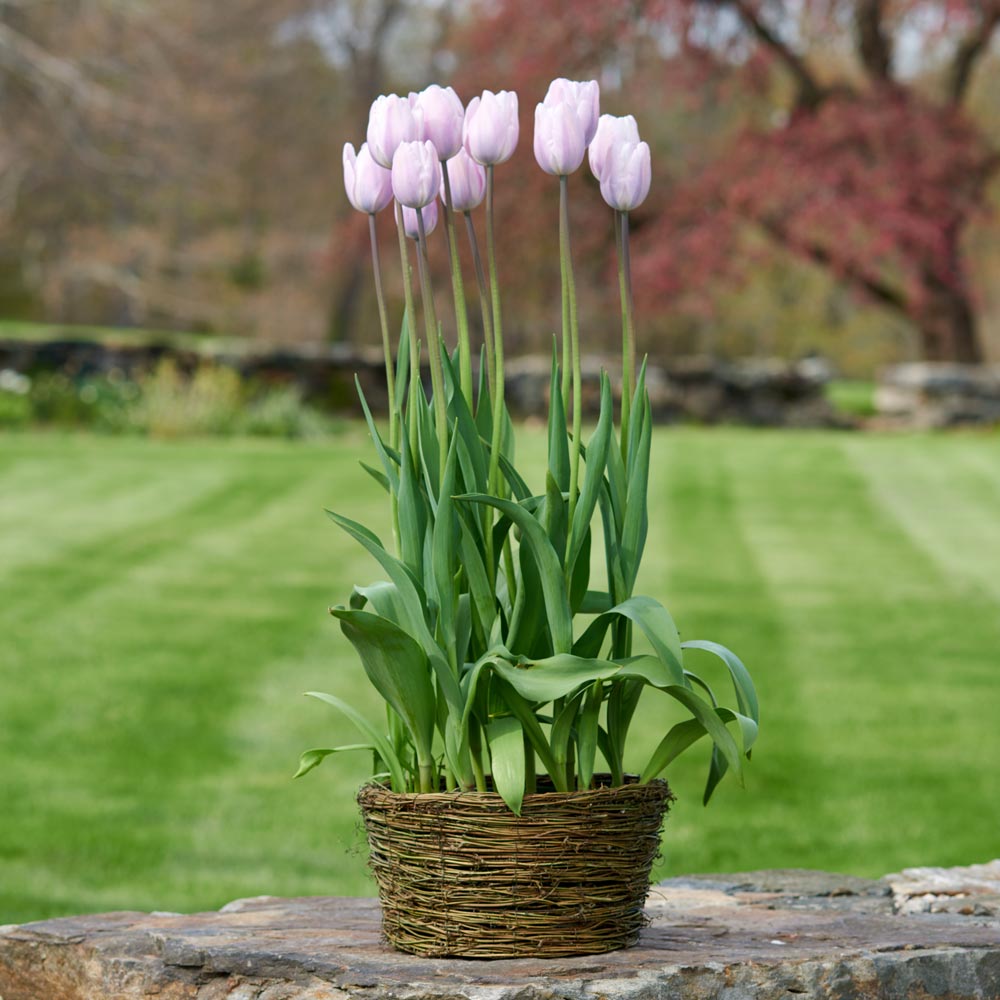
(847, 150)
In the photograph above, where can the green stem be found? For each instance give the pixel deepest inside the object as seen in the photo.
(411, 326)
(476, 753)
(434, 343)
(628, 324)
(484, 302)
(566, 260)
(626, 371)
(458, 292)
(498, 379)
(427, 777)
(567, 367)
(390, 377)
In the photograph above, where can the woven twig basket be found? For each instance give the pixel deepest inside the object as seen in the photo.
(459, 874)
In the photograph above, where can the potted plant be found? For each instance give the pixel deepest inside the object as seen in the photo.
(506, 671)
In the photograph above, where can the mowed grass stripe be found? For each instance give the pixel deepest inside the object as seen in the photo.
(698, 563)
(869, 622)
(947, 500)
(149, 724)
(138, 710)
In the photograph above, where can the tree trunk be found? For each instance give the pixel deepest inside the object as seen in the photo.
(947, 325)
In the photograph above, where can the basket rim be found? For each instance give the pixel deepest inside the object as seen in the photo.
(654, 788)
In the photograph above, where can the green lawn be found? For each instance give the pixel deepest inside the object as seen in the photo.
(162, 607)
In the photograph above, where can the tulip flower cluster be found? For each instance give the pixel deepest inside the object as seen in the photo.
(471, 639)
(427, 148)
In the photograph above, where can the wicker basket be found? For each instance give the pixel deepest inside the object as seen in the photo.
(459, 874)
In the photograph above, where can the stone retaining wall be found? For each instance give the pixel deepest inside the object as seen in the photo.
(930, 395)
(761, 393)
(751, 936)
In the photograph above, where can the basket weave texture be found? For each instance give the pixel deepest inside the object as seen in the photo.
(460, 875)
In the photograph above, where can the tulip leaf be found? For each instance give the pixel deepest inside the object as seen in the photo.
(506, 742)
(388, 464)
(554, 676)
(746, 693)
(558, 443)
(597, 458)
(309, 759)
(381, 744)
(398, 669)
(549, 568)
(411, 594)
(587, 726)
(677, 740)
(633, 535)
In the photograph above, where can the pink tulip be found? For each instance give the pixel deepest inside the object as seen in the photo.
(559, 139)
(416, 173)
(611, 132)
(391, 121)
(410, 225)
(585, 99)
(369, 186)
(468, 182)
(491, 127)
(626, 176)
(442, 118)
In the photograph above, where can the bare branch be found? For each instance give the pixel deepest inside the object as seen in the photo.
(810, 92)
(970, 49)
(874, 44)
(49, 75)
(853, 272)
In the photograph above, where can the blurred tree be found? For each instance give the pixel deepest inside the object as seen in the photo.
(837, 128)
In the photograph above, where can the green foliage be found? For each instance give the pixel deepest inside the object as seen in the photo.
(165, 403)
(852, 397)
(487, 642)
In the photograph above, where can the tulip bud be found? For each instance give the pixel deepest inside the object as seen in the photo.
(611, 132)
(443, 117)
(416, 173)
(412, 227)
(626, 176)
(584, 97)
(369, 186)
(468, 182)
(491, 127)
(559, 141)
(391, 121)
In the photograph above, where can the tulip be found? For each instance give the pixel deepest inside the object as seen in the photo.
(369, 185)
(626, 176)
(559, 139)
(411, 225)
(491, 127)
(442, 117)
(391, 121)
(583, 97)
(611, 132)
(468, 182)
(416, 173)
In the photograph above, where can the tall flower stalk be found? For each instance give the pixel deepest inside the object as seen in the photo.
(484, 303)
(458, 290)
(622, 164)
(565, 123)
(569, 309)
(490, 133)
(411, 330)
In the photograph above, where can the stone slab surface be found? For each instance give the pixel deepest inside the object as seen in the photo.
(774, 934)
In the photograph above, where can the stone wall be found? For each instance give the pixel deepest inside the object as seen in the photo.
(930, 395)
(768, 393)
(751, 936)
